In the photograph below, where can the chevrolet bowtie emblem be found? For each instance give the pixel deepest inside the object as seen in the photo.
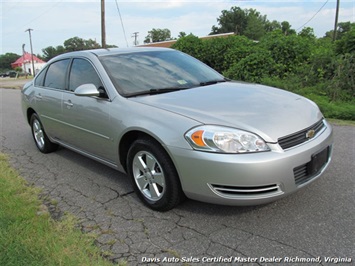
(310, 134)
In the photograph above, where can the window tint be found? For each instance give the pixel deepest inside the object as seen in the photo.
(82, 72)
(40, 78)
(55, 77)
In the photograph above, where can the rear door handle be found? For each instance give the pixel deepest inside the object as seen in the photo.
(39, 96)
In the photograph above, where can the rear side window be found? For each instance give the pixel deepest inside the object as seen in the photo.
(55, 77)
(82, 72)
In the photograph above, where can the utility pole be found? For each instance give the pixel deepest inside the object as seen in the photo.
(33, 65)
(23, 62)
(103, 28)
(336, 21)
(135, 35)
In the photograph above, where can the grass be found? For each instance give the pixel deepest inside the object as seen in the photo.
(341, 122)
(29, 236)
(319, 93)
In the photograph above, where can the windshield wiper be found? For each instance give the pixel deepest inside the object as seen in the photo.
(211, 82)
(156, 91)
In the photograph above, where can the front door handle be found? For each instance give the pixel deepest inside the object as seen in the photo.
(39, 96)
(68, 104)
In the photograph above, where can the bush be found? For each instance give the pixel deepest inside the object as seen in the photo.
(191, 45)
(214, 51)
(288, 51)
(240, 48)
(252, 68)
(342, 86)
(298, 63)
(338, 110)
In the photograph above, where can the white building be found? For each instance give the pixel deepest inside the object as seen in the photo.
(25, 62)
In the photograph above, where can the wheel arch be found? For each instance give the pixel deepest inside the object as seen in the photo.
(127, 140)
(29, 113)
(174, 193)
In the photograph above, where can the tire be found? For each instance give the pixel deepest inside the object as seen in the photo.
(153, 174)
(42, 142)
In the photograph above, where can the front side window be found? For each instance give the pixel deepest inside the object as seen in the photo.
(40, 78)
(55, 77)
(82, 72)
(132, 73)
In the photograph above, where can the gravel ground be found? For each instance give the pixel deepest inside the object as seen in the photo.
(13, 83)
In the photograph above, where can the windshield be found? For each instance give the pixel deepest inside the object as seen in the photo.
(134, 73)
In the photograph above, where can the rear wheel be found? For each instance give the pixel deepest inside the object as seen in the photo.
(153, 175)
(39, 135)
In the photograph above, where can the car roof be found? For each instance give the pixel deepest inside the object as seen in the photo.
(111, 51)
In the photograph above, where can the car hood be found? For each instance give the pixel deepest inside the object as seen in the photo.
(269, 112)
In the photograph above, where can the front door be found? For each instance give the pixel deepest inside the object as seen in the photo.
(87, 119)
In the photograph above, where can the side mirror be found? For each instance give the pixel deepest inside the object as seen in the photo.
(87, 90)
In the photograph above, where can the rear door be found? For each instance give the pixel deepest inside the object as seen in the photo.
(50, 85)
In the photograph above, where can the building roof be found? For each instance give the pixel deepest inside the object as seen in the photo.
(24, 59)
(168, 44)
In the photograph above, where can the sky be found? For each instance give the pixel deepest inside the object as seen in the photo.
(53, 22)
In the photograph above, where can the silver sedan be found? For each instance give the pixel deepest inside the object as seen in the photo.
(177, 127)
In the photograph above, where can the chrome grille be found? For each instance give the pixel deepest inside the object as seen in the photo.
(301, 136)
(301, 174)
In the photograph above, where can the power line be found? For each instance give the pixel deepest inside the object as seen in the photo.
(45, 12)
(313, 15)
(124, 32)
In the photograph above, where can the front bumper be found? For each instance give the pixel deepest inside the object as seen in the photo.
(250, 179)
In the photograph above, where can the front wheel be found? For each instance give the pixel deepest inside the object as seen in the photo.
(39, 135)
(153, 175)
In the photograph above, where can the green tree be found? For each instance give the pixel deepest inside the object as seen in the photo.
(346, 44)
(182, 34)
(233, 20)
(78, 44)
(70, 45)
(273, 25)
(286, 28)
(255, 28)
(7, 59)
(247, 22)
(343, 27)
(157, 35)
(50, 52)
(307, 32)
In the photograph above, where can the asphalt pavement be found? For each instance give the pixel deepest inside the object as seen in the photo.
(314, 226)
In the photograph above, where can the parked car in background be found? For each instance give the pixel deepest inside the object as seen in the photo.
(11, 74)
(177, 127)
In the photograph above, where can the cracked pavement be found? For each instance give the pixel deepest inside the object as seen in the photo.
(317, 221)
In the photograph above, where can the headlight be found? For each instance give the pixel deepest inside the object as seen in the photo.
(224, 140)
